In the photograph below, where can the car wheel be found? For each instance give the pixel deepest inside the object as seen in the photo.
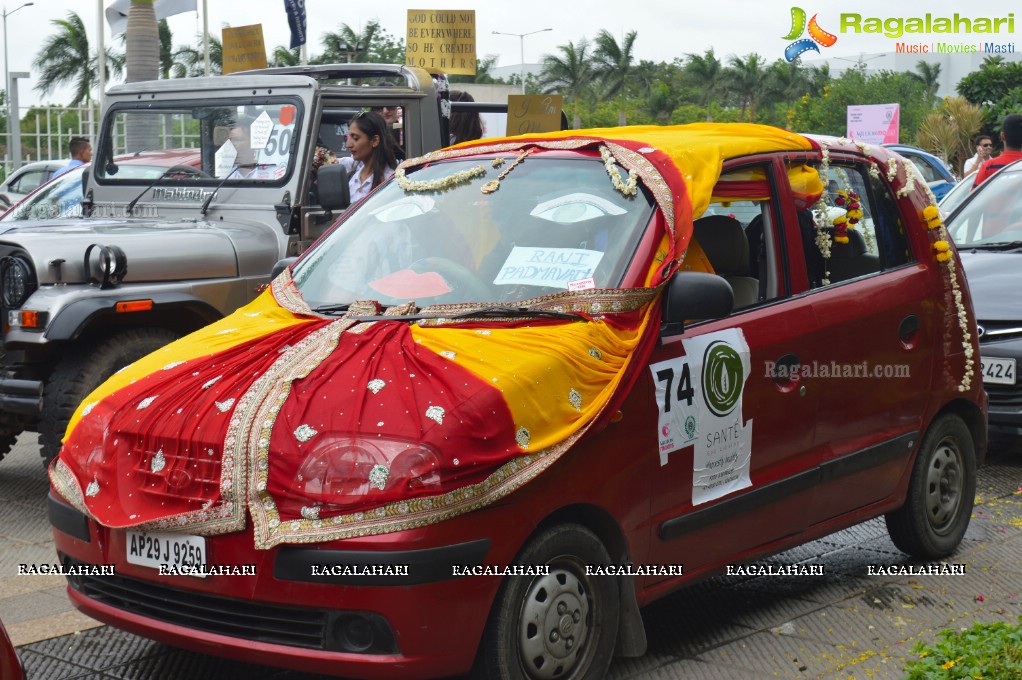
(941, 492)
(559, 625)
(10, 428)
(82, 370)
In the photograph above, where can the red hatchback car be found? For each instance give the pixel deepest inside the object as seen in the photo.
(525, 388)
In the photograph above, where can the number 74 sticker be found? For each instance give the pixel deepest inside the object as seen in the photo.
(675, 398)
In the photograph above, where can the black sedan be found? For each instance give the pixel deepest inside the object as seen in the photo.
(987, 229)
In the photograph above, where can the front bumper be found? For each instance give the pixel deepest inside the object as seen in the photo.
(425, 624)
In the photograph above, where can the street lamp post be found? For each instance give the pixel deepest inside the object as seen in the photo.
(11, 119)
(521, 37)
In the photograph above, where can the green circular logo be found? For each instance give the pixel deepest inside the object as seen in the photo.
(722, 378)
(690, 426)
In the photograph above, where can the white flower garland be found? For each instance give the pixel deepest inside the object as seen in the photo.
(627, 188)
(438, 184)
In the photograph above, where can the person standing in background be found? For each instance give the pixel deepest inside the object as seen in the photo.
(984, 148)
(81, 153)
(465, 125)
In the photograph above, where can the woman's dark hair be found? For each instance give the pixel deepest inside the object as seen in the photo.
(372, 125)
(467, 125)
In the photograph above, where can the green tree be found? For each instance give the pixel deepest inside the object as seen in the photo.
(190, 62)
(745, 78)
(570, 74)
(65, 60)
(613, 66)
(348, 45)
(284, 56)
(948, 132)
(706, 73)
(929, 75)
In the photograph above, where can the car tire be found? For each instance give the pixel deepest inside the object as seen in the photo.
(941, 492)
(561, 625)
(81, 371)
(10, 428)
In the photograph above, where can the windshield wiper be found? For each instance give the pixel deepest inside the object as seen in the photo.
(504, 311)
(999, 245)
(331, 309)
(245, 166)
(493, 312)
(131, 205)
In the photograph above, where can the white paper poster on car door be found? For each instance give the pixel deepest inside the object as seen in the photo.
(699, 397)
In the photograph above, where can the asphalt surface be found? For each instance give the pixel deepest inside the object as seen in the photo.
(845, 624)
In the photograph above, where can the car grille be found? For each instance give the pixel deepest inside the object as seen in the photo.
(1004, 396)
(275, 624)
(999, 331)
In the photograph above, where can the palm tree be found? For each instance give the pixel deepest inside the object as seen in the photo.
(347, 45)
(745, 79)
(927, 74)
(190, 62)
(142, 62)
(64, 59)
(613, 66)
(706, 73)
(571, 74)
(166, 49)
(284, 56)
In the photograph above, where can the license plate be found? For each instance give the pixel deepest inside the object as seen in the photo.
(998, 371)
(174, 550)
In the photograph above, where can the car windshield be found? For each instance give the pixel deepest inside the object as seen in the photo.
(552, 224)
(239, 144)
(61, 197)
(993, 216)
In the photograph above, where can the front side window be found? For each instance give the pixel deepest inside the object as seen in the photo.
(993, 218)
(553, 224)
(255, 142)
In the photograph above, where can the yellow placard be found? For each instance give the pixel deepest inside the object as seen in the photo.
(532, 113)
(442, 41)
(243, 48)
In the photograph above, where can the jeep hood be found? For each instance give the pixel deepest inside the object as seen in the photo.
(156, 251)
(324, 428)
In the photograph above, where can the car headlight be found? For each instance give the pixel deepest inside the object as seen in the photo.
(17, 280)
(349, 469)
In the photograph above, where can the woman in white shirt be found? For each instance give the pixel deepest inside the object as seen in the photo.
(372, 154)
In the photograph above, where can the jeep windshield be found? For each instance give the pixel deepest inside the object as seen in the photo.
(444, 235)
(253, 143)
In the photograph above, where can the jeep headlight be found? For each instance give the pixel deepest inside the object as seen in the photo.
(17, 281)
(345, 470)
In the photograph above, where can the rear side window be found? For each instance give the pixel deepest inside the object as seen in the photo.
(859, 230)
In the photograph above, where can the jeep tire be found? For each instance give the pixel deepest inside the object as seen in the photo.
(82, 370)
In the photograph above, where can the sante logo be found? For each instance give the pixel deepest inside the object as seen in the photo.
(817, 36)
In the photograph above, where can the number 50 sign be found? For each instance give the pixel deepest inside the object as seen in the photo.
(531, 113)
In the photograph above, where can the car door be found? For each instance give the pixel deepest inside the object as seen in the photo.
(728, 484)
(874, 320)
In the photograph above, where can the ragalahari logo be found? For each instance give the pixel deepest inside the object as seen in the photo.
(817, 36)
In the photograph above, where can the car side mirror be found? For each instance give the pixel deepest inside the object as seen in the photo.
(332, 181)
(694, 296)
(280, 266)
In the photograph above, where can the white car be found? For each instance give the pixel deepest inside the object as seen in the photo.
(27, 179)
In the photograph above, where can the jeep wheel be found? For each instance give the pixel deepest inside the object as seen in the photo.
(82, 370)
(561, 625)
(941, 492)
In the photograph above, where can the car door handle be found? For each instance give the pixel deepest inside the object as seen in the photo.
(908, 330)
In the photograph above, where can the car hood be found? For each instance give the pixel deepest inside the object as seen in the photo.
(325, 428)
(155, 251)
(994, 282)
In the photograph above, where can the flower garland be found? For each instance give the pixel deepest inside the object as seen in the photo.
(627, 188)
(942, 253)
(438, 184)
(494, 184)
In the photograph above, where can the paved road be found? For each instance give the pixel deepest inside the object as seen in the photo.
(843, 625)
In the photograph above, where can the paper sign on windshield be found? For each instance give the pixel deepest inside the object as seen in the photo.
(223, 159)
(554, 267)
(259, 133)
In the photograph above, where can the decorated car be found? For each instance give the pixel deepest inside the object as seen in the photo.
(525, 388)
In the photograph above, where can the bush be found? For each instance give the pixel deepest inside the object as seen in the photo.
(988, 651)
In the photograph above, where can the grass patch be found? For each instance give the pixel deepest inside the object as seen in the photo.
(986, 651)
